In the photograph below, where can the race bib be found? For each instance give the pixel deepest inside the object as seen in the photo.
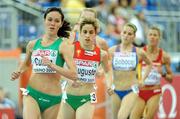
(153, 78)
(36, 58)
(86, 70)
(124, 61)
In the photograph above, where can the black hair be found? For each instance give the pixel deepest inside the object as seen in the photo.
(65, 28)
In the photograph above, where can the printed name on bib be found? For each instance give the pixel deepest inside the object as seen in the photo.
(36, 58)
(124, 61)
(86, 70)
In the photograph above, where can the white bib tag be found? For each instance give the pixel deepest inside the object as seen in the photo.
(135, 88)
(93, 97)
(64, 96)
(24, 91)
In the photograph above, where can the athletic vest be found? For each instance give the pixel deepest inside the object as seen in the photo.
(154, 76)
(51, 52)
(87, 62)
(125, 61)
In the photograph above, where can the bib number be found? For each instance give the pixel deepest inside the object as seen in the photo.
(93, 97)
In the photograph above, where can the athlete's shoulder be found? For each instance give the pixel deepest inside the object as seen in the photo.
(31, 43)
(165, 56)
(102, 43)
(113, 48)
(67, 41)
(104, 54)
(66, 45)
(139, 49)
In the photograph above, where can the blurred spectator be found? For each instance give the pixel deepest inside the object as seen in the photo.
(152, 5)
(147, 4)
(141, 4)
(132, 4)
(91, 3)
(142, 26)
(33, 1)
(4, 101)
(109, 36)
(112, 13)
(178, 67)
(49, 3)
(123, 3)
(73, 8)
(118, 17)
(123, 7)
(170, 5)
(102, 11)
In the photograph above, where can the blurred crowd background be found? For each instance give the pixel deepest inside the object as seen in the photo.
(22, 20)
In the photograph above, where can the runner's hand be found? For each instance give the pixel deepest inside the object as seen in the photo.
(15, 75)
(46, 61)
(110, 91)
(76, 84)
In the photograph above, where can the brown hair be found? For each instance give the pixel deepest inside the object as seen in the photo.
(91, 21)
(132, 26)
(157, 29)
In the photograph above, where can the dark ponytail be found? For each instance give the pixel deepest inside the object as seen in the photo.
(65, 28)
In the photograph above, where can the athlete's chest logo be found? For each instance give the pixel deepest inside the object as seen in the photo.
(78, 52)
(90, 53)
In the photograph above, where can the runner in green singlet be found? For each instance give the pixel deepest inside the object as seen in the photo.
(47, 55)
